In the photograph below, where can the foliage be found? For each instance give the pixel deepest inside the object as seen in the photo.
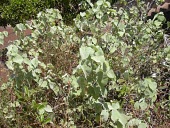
(16, 11)
(104, 71)
(70, 8)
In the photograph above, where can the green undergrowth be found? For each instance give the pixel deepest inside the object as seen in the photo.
(18, 11)
(107, 70)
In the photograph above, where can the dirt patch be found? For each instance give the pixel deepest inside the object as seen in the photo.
(4, 74)
(11, 36)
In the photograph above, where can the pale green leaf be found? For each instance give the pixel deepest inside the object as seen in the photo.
(94, 40)
(5, 33)
(105, 115)
(18, 59)
(115, 105)
(143, 125)
(113, 49)
(137, 105)
(43, 84)
(115, 115)
(121, 34)
(123, 119)
(85, 52)
(82, 14)
(53, 29)
(99, 15)
(53, 86)
(99, 51)
(134, 122)
(99, 59)
(10, 65)
(34, 62)
(111, 74)
(48, 108)
(9, 116)
(1, 38)
(99, 2)
(1, 41)
(20, 27)
(153, 86)
(86, 70)
(141, 104)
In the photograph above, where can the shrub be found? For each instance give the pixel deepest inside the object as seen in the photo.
(100, 72)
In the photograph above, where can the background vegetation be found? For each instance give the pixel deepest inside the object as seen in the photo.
(109, 69)
(18, 11)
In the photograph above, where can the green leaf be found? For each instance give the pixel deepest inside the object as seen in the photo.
(85, 52)
(94, 40)
(89, 2)
(134, 122)
(115, 105)
(98, 107)
(98, 59)
(115, 115)
(53, 86)
(143, 125)
(82, 14)
(20, 27)
(2, 35)
(53, 29)
(46, 121)
(82, 84)
(153, 86)
(86, 70)
(34, 62)
(121, 33)
(94, 91)
(41, 111)
(99, 51)
(9, 116)
(105, 115)
(99, 2)
(43, 84)
(5, 33)
(157, 23)
(18, 59)
(99, 15)
(48, 108)
(113, 49)
(111, 74)
(123, 120)
(1, 38)
(141, 104)
(91, 90)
